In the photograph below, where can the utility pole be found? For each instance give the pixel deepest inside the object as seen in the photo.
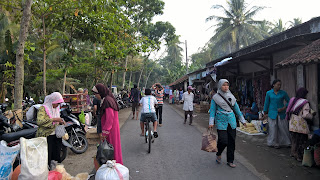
(187, 58)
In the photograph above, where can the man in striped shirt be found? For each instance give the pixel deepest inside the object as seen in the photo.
(159, 94)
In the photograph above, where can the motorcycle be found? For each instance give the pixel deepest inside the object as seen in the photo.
(75, 130)
(120, 103)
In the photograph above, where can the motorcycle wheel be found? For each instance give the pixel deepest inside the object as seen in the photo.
(63, 153)
(76, 147)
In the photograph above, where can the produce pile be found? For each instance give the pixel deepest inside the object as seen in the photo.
(249, 129)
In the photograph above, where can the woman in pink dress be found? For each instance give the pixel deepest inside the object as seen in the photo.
(109, 119)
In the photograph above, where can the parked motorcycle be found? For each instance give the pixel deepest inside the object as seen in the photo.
(75, 130)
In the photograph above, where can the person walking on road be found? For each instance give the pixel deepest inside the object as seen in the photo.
(223, 109)
(109, 119)
(299, 114)
(276, 112)
(187, 99)
(135, 97)
(96, 114)
(159, 94)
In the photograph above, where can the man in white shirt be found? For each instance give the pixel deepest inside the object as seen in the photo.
(187, 99)
(148, 102)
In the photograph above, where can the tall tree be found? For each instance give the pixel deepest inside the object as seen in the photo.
(19, 76)
(237, 28)
(278, 27)
(295, 22)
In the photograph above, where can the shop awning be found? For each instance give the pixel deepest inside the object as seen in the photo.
(180, 80)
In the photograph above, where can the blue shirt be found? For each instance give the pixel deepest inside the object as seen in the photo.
(275, 101)
(222, 117)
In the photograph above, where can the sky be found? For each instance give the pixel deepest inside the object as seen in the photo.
(188, 17)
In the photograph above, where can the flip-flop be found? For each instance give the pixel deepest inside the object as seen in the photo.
(218, 160)
(231, 165)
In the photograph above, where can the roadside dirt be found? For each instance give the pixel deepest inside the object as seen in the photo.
(81, 163)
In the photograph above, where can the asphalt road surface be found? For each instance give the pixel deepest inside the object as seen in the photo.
(175, 154)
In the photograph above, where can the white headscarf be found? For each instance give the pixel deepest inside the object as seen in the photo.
(227, 95)
(53, 98)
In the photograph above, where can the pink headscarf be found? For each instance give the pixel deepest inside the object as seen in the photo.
(54, 98)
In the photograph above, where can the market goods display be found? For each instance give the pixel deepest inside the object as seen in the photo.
(249, 129)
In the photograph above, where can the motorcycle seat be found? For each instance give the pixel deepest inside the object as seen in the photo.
(26, 133)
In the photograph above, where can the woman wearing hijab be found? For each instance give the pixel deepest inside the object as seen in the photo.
(223, 116)
(109, 119)
(298, 113)
(48, 118)
(276, 110)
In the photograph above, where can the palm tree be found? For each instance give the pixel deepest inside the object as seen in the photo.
(277, 27)
(238, 28)
(294, 22)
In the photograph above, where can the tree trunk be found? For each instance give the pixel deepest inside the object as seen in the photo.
(124, 73)
(44, 58)
(111, 79)
(19, 75)
(95, 66)
(64, 81)
(145, 86)
(130, 80)
(140, 76)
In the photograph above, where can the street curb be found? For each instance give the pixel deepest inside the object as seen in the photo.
(240, 158)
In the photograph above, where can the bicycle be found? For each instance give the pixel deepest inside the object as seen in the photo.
(148, 134)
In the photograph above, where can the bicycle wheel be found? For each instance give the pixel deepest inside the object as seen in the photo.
(149, 138)
(146, 126)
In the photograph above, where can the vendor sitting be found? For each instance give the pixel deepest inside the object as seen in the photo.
(252, 113)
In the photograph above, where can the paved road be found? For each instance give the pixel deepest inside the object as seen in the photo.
(175, 154)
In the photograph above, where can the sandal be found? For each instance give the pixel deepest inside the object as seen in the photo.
(231, 165)
(155, 134)
(141, 134)
(218, 159)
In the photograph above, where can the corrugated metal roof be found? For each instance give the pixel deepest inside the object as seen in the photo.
(308, 54)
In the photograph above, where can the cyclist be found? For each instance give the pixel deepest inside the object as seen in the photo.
(148, 102)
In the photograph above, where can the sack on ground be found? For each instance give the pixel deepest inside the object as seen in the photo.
(7, 158)
(308, 157)
(112, 170)
(209, 142)
(34, 159)
(105, 152)
(317, 154)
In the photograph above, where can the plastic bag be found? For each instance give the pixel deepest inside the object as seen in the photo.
(112, 171)
(209, 142)
(308, 157)
(54, 175)
(105, 152)
(60, 131)
(34, 159)
(7, 158)
(82, 118)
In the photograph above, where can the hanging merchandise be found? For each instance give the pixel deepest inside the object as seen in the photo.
(7, 158)
(34, 159)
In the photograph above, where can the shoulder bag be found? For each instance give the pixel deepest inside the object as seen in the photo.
(237, 117)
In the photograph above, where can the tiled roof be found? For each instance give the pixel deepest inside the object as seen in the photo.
(308, 54)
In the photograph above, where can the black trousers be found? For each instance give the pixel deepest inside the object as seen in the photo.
(186, 116)
(227, 138)
(54, 148)
(159, 113)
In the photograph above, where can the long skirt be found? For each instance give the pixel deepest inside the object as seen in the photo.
(299, 142)
(278, 132)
